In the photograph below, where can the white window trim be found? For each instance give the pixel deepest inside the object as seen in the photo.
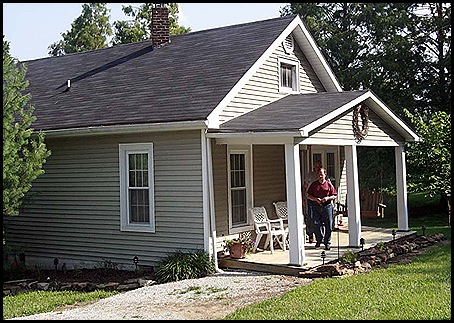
(295, 63)
(247, 150)
(124, 150)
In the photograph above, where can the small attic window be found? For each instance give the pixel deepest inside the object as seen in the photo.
(288, 44)
(288, 75)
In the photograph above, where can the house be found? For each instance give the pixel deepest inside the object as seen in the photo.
(165, 146)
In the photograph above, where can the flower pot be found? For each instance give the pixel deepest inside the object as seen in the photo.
(237, 250)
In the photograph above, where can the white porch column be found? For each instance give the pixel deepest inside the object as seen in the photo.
(401, 182)
(295, 206)
(353, 204)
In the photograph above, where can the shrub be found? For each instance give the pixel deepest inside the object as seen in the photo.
(179, 265)
(348, 257)
(106, 264)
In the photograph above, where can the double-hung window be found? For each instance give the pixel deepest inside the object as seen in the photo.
(288, 75)
(239, 189)
(136, 187)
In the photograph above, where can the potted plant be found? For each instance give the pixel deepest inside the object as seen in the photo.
(239, 247)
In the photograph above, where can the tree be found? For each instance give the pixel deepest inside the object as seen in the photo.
(139, 28)
(24, 153)
(88, 31)
(429, 161)
(401, 51)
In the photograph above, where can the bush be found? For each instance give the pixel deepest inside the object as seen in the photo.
(348, 257)
(178, 266)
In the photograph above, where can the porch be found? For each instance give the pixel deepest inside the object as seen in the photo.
(278, 263)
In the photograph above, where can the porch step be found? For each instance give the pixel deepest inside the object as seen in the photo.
(227, 262)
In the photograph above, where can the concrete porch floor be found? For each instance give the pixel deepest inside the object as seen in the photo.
(279, 261)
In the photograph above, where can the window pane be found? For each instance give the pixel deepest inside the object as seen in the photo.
(145, 178)
(239, 211)
(139, 205)
(138, 170)
(237, 173)
(288, 74)
(132, 178)
(145, 161)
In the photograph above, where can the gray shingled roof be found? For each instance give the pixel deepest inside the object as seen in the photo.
(133, 84)
(291, 112)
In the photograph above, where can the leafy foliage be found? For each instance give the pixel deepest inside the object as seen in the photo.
(376, 167)
(24, 153)
(402, 52)
(430, 159)
(139, 28)
(244, 239)
(92, 29)
(88, 31)
(179, 265)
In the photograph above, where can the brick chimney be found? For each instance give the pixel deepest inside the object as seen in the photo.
(160, 25)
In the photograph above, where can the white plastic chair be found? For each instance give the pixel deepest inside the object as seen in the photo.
(273, 229)
(282, 212)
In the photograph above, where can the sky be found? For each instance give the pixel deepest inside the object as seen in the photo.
(30, 28)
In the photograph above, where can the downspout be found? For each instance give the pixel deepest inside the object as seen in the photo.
(212, 209)
(208, 200)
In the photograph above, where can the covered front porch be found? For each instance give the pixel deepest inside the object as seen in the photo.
(278, 262)
(262, 156)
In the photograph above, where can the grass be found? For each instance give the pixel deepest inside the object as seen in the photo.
(420, 290)
(25, 304)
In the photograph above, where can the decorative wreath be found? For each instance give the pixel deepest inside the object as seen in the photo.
(360, 133)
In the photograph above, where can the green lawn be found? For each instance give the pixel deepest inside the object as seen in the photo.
(36, 302)
(420, 290)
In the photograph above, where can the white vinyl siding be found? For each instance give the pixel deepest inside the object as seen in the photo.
(74, 208)
(136, 187)
(263, 86)
(221, 203)
(269, 167)
(342, 128)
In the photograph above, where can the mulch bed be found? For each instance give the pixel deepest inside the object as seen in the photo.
(97, 275)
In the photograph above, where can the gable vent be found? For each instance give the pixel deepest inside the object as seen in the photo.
(288, 44)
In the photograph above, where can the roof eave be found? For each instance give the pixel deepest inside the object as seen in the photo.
(378, 106)
(128, 128)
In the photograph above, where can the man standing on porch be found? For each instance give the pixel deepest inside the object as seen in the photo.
(322, 192)
(309, 178)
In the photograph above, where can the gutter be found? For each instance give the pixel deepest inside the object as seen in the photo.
(130, 128)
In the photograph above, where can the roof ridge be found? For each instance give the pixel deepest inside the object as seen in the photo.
(171, 37)
(241, 24)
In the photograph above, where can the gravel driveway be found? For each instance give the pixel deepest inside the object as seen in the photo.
(206, 298)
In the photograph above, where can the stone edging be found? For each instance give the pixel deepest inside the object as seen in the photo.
(377, 256)
(27, 285)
